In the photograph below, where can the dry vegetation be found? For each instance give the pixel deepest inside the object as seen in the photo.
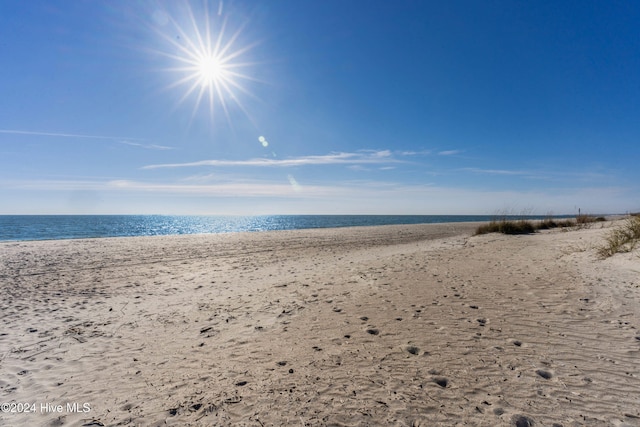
(525, 226)
(624, 238)
(507, 226)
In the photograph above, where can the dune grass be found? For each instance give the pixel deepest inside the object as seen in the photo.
(507, 226)
(549, 223)
(624, 238)
(585, 221)
(524, 226)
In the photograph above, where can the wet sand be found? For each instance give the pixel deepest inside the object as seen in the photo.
(393, 325)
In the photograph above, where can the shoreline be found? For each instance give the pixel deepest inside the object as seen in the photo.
(383, 325)
(74, 231)
(463, 226)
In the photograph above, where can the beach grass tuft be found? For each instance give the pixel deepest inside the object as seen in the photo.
(624, 238)
(549, 223)
(586, 221)
(507, 226)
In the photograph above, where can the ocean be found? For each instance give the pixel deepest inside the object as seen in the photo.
(55, 227)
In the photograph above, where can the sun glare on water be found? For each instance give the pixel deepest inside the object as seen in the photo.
(208, 60)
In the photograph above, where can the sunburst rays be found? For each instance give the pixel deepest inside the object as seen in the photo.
(210, 62)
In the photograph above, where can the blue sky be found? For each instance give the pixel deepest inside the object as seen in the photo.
(319, 107)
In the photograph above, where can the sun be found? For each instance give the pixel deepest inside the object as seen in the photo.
(208, 60)
(211, 70)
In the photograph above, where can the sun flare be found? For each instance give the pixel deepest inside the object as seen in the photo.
(211, 70)
(208, 61)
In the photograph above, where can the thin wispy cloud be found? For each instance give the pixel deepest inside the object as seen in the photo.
(226, 189)
(575, 176)
(255, 188)
(67, 135)
(147, 146)
(358, 168)
(496, 171)
(449, 152)
(415, 153)
(545, 175)
(352, 196)
(52, 185)
(126, 140)
(377, 153)
(358, 158)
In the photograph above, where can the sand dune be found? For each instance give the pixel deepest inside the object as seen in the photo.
(395, 325)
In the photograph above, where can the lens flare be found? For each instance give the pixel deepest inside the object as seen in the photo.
(294, 183)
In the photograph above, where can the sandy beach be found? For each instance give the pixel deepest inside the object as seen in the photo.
(415, 325)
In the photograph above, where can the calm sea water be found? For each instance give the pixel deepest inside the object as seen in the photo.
(53, 227)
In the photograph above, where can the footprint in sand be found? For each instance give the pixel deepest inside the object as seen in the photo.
(441, 381)
(412, 349)
(544, 374)
(522, 421)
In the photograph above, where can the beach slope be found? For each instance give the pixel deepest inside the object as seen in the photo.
(393, 325)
